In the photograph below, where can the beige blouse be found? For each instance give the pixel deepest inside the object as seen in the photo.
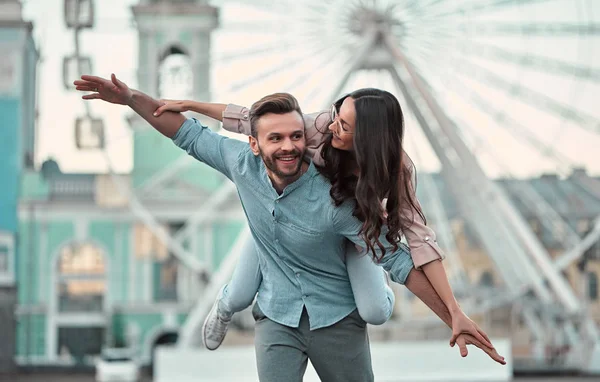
(421, 239)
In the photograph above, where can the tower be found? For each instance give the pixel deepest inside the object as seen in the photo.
(174, 52)
(17, 137)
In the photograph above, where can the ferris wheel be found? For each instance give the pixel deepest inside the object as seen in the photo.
(489, 87)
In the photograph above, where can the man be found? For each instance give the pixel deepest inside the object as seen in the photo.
(306, 308)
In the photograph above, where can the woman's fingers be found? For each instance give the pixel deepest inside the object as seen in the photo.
(453, 338)
(483, 340)
(160, 110)
(482, 333)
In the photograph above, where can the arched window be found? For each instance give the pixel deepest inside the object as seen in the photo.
(81, 278)
(593, 286)
(175, 75)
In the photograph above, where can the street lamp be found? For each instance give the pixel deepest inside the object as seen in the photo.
(89, 133)
(79, 13)
(73, 67)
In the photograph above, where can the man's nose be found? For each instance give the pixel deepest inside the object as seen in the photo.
(287, 145)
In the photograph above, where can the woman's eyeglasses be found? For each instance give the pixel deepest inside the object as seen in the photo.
(335, 118)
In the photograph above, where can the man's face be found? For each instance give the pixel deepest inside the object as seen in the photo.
(280, 143)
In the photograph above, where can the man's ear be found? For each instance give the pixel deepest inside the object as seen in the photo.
(254, 145)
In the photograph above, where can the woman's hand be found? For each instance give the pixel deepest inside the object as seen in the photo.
(466, 339)
(463, 324)
(177, 106)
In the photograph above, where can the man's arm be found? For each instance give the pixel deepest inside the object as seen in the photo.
(117, 92)
(213, 149)
(144, 105)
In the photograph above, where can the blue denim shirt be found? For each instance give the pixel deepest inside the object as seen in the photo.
(300, 235)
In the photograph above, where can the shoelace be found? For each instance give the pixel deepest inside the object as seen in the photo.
(216, 327)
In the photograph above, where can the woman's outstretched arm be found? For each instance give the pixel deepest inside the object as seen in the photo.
(236, 119)
(212, 110)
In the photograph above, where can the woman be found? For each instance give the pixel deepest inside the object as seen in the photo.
(358, 146)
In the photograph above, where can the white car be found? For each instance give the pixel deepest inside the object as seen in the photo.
(117, 365)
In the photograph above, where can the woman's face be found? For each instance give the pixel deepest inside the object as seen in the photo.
(343, 126)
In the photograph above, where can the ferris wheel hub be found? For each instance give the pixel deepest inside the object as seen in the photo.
(362, 20)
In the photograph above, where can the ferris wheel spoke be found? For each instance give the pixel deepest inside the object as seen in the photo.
(473, 96)
(548, 216)
(432, 4)
(533, 29)
(308, 74)
(272, 71)
(261, 50)
(531, 97)
(540, 63)
(480, 6)
(277, 8)
(321, 93)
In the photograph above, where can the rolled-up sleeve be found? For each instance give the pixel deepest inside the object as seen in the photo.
(217, 151)
(421, 239)
(236, 119)
(423, 243)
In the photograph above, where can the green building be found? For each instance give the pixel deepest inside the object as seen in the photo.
(90, 268)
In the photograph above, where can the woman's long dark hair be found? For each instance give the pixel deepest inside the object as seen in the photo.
(384, 171)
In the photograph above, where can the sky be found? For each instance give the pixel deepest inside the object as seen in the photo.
(309, 58)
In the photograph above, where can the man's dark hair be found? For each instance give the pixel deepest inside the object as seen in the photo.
(277, 103)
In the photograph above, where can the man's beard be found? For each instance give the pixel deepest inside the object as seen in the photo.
(271, 163)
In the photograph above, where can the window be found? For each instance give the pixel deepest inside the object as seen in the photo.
(593, 286)
(165, 272)
(7, 255)
(81, 278)
(175, 75)
(3, 258)
(165, 279)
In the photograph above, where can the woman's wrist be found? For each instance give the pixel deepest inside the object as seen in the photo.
(454, 308)
(188, 105)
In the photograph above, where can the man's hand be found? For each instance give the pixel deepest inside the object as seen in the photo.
(113, 90)
(466, 339)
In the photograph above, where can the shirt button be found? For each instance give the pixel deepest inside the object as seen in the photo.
(277, 241)
(244, 117)
(426, 238)
(297, 274)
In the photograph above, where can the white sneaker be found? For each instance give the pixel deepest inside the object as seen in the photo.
(215, 327)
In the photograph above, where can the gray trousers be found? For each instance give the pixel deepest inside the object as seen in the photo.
(338, 353)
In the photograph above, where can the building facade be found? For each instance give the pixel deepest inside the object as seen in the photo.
(17, 136)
